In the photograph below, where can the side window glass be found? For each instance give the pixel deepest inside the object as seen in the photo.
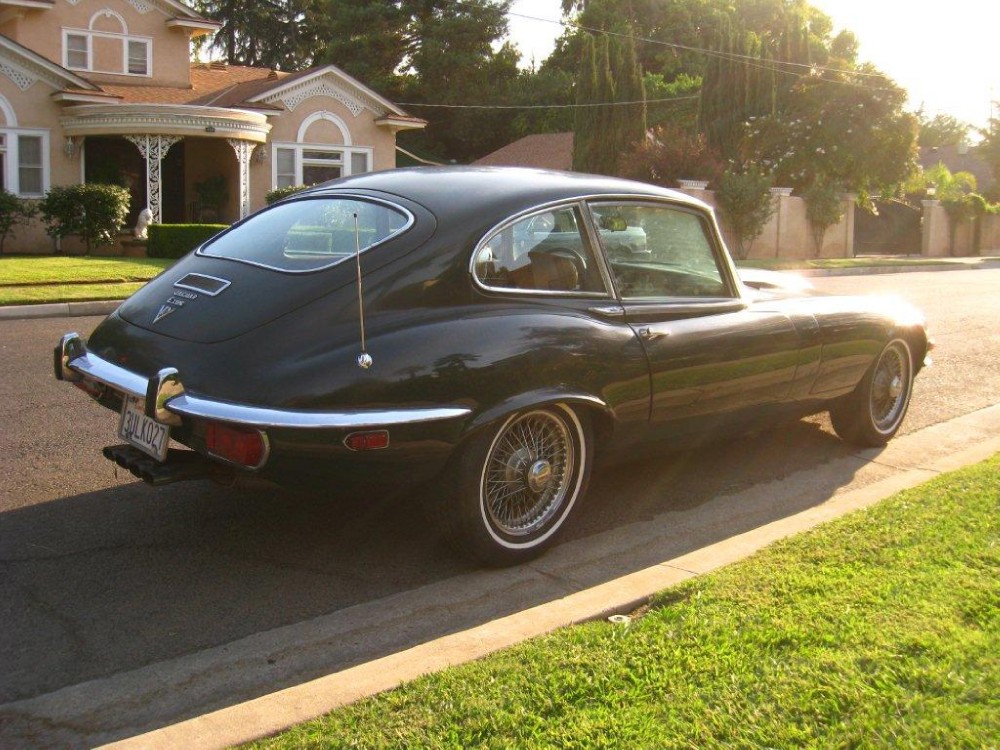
(546, 251)
(658, 252)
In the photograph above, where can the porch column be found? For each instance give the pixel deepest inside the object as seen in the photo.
(243, 150)
(153, 149)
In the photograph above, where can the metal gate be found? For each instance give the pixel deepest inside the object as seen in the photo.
(893, 230)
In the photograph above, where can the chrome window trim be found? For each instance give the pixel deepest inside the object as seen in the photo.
(410, 221)
(720, 252)
(187, 404)
(576, 203)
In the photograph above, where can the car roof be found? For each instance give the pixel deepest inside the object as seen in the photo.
(499, 190)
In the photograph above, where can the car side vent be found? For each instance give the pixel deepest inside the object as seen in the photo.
(199, 282)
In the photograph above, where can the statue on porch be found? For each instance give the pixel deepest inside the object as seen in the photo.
(145, 217)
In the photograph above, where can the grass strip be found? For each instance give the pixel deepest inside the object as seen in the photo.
(63, 269)
(39, 294)
(878, 630)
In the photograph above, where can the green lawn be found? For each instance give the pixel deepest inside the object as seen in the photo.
(26, 280)
(879, 630)
(21, 270)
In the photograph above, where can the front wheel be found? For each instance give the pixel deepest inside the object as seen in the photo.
(516, 484)
(873, 413)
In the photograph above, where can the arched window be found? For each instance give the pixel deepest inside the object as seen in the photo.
(323, 150)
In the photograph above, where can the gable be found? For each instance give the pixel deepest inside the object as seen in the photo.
(328, 81)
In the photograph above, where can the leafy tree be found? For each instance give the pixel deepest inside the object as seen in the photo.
(94, 211)
(847, 128)
(744, 198)
(262, 33)
(942, 130)
(13, 212)
(989, 148)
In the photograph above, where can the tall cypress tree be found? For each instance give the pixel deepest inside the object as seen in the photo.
(585, 121)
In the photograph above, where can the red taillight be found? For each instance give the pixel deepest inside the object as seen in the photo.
(243, 447)
(367, 441)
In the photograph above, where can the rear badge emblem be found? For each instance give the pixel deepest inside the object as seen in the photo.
(165, 310)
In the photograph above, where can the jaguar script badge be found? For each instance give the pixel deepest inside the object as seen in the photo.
(165, 310)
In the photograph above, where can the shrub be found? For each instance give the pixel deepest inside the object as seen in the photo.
(670, 154)
(94, 211)
(13, 211)
(824, 208)
(176, 240)
(745, 201)
(283, 192)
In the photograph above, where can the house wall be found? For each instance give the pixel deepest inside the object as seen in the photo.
(41, 31)
(329, 119)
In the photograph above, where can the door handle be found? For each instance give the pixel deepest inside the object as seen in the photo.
(648, 334)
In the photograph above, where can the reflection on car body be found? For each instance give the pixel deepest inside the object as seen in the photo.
(511, 326)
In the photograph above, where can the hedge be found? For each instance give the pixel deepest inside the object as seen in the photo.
(176, 240)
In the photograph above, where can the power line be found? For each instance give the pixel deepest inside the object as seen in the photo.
(550, 106)
(804, 67)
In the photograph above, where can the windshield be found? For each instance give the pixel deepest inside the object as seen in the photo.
(309, 234)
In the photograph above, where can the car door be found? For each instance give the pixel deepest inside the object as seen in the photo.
(714, 358)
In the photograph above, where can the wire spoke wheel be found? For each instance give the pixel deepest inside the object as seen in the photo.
(529, 473)
(890, 388)
(873, 413)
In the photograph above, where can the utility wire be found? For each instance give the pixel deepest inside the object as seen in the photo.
(550, 106)
(804, 67)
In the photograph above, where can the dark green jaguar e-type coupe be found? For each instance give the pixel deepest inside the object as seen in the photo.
(491, 330)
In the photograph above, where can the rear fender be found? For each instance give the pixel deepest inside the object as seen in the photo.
(540, 398)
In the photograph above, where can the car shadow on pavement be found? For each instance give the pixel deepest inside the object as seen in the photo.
(116, 580)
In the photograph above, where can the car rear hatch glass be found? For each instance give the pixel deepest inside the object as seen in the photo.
(311, 234)
(273, 263)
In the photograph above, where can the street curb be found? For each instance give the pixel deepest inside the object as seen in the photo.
(59, 310)
(882, 270)
(907, 465)
(106, 307)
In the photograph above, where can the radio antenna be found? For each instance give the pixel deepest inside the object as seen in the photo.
(364, 358)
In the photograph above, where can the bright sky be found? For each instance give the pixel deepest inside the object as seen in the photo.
(944, 54)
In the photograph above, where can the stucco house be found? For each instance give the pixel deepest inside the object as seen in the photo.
(104, 90)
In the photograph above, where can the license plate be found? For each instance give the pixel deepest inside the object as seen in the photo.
(144, 433)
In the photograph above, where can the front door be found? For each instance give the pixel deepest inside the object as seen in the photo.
(713, 358)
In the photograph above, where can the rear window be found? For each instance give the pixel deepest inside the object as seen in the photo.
(310, 234)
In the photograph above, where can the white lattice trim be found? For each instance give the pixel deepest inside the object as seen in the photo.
(21, 79)
(141, 6)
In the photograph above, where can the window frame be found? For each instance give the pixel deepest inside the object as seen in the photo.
(710, 230)
(126, 40)
(586, 236)
(299, 161)
(11, 163)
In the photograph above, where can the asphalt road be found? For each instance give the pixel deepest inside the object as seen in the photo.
(100, 574)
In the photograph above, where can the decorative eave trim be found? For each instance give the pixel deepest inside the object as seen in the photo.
(24, 67)
(401, 123)
(84, 97)
(165, 119)
(200, 27)
(353, 94)
(42, 4)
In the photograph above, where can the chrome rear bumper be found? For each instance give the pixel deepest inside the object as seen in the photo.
(167, 401)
